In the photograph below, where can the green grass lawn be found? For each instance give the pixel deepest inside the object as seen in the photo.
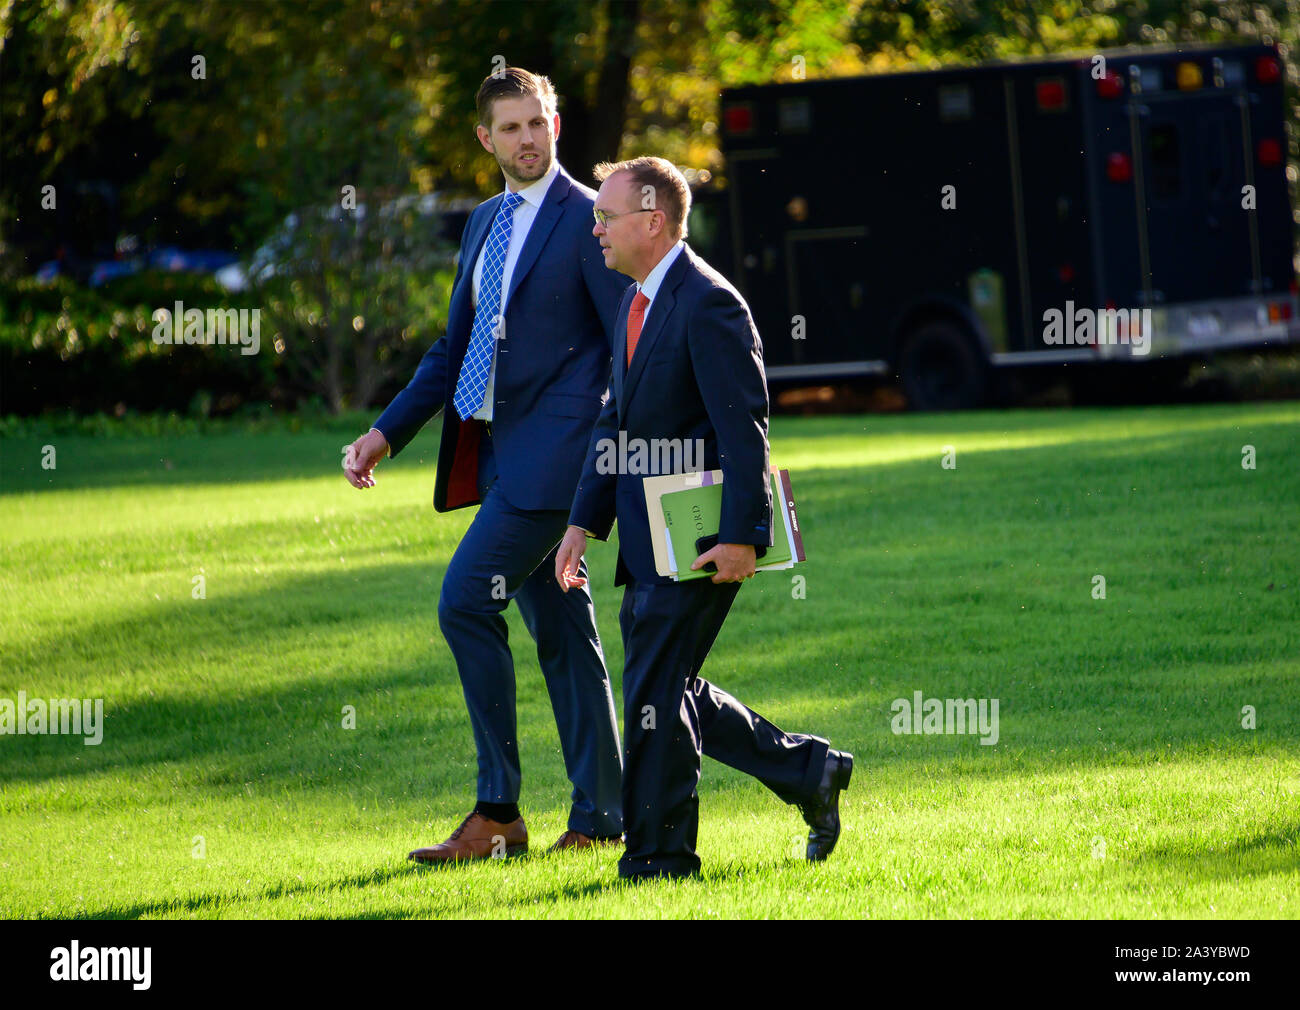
(1123, 783)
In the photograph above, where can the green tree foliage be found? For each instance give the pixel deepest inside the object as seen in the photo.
(296, 99)
(633, 75)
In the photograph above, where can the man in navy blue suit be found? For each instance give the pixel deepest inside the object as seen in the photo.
(519, 377)
(688, 366)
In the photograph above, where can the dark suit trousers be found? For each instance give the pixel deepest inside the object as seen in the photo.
(509, 553)
(671, 715)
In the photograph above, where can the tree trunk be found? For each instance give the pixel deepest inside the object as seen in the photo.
(592, 133)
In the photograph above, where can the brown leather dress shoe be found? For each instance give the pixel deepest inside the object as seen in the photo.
(477, 838)
(577, 840)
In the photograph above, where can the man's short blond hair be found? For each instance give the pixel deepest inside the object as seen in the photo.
(662, 186)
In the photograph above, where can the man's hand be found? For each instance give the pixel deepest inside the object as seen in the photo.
(567, 557)
(361, 457)
(735, 562)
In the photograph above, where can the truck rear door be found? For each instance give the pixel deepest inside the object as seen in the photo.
(1190, 157)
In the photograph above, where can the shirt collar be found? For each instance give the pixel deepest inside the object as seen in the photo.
(535, 192)
(656, 276)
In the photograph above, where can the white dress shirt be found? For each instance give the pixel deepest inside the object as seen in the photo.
(656, 277)
(534, 193)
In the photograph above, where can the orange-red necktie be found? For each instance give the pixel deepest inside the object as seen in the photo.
(635, 317)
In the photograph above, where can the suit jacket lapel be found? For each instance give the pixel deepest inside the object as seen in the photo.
(660, 309)
(547, 214)
(620, 350)
(462, 299)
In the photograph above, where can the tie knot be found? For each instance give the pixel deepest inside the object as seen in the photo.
(640, 302)
(511, 201)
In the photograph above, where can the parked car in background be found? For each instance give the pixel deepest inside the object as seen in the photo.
(444, 215)
(130, 259)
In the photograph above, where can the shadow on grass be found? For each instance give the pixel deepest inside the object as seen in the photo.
(286, 735)
(215, 900)
(569, 892)
(178, 460)
(227, 458)
(1275, 850)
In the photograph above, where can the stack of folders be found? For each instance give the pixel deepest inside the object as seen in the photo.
(686, 508)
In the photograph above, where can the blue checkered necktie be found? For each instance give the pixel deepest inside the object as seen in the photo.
(472, 384)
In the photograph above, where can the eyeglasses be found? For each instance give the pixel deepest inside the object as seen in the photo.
(603, 217)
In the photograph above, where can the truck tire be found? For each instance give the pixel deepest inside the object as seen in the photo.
(941, 369)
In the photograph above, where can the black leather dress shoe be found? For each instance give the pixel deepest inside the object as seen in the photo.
(822, 812)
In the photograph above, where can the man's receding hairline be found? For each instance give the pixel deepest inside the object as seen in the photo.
(609, 170)
(617, 171)
(627, 172)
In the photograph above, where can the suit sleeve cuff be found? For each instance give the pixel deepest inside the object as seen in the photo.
(593, 534)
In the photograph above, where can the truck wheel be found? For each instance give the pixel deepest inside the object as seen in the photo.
(941, 369)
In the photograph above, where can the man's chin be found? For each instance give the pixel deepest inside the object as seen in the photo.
(529, 173)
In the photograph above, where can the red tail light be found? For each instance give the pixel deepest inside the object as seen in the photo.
(1119, 167)
(1268, 70)
(1270, 152)
(1051, 94)
(738, 119)
(1111, 85)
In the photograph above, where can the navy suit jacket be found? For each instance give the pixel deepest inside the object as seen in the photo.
(697, 373)
(552, 360)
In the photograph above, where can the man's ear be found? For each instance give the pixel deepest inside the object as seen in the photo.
(555, 122)
(485, 138)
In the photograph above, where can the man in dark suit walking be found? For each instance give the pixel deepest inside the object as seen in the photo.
(519, 377)
(687, 365)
